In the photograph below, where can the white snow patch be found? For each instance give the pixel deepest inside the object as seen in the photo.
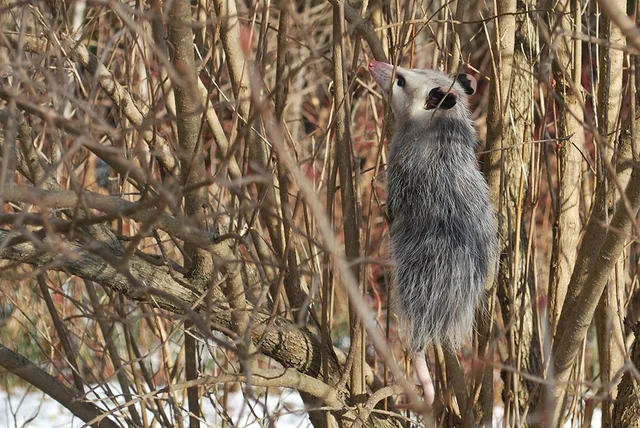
(596, 420)
(33, 409)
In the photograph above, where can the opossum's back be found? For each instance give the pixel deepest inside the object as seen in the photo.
(441, 266)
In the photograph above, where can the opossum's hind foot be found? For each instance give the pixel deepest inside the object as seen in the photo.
(422, 371)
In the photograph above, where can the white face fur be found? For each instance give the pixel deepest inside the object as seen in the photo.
(418, 94)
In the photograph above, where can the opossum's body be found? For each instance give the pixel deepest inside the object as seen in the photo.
(443, 231)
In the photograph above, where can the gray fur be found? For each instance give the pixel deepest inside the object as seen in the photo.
(443, 232)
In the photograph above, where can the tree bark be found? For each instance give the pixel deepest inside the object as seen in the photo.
(576, 318)
(626, 410)
(503, 43)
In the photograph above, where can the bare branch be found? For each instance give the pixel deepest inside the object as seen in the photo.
(577, 318)
(160, 148)
(626, 25)
(70, 399)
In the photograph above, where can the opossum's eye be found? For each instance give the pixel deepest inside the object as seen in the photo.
(401, 81)
(439, 98)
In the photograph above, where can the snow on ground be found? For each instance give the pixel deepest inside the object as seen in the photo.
(32, 409)
(498, 414)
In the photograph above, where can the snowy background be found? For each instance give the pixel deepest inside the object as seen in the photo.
(21, 408)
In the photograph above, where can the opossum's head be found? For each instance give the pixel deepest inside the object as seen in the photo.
(419, 95)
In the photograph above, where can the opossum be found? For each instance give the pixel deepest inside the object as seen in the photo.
(443, 233)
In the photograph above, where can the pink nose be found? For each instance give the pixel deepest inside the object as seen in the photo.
(372, 64)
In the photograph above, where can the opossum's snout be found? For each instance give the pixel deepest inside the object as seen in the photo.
(381, 72)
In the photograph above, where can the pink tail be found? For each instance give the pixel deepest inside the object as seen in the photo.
(422, 371)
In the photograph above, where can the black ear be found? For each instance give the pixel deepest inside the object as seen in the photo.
(468, 83)
(439, 98)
